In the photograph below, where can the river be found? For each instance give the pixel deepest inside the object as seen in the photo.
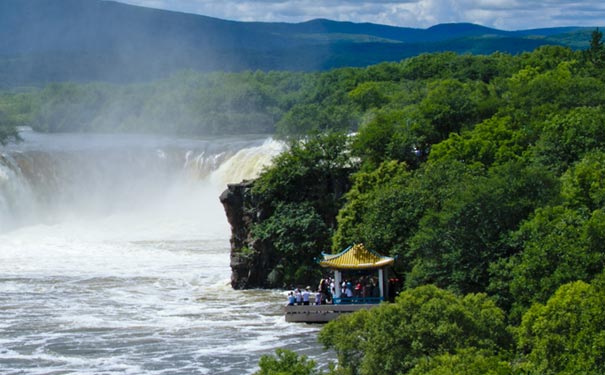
(114, 259)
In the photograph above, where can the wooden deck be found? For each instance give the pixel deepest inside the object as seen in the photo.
(320, 313)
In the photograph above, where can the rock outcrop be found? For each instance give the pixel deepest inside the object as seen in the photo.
(257, 263)
(251, 260)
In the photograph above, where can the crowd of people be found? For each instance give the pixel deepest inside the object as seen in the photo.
(363, 287)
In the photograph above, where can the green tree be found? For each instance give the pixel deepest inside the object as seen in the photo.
(456, 243)
(584, 183)
(495, 140)
(305, 118)
(466, 362)
(546, 58)
(298, 199)
(596, 52)
(315, 170)
(567, 334)
(392, 135)
(563, 243)
(371, 95)
(450, 105)
(15, 110)
(534, 96)
(298, 234)
(560, 245)
(423, 322)
(8, 131)
(566, 137)
(286, 362)
(381, 211)
(428, 66)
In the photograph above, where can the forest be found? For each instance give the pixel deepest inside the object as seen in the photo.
(483, 174)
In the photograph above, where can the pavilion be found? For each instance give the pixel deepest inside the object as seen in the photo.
(354, 259)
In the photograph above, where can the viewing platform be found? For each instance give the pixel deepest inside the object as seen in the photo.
(322, 313)
(357, 261)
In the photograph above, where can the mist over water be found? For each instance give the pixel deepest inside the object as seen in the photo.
(114, 259)
(54, 178)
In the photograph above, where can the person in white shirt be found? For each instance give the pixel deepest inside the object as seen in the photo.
(305, 296)
(349, 290)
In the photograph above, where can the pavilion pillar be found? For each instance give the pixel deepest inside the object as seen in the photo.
(381, 282)
(337, 282)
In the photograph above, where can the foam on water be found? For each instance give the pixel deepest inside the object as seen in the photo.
(125, 283)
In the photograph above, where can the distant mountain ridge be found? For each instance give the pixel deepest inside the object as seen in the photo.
(96, 40)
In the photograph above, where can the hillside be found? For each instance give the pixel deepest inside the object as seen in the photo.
(45, 41)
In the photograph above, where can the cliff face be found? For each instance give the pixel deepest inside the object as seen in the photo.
(251, 260)
(257, 263)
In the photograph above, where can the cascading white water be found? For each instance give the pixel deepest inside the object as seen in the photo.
(16, 198)
(114, 258)
(77, 175)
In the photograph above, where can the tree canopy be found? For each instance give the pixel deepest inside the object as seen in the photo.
(484, 174)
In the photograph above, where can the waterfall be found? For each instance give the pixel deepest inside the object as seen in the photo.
(17, 200)
(54, 178)
(247, 163)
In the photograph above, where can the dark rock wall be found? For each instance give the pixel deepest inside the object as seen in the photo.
(251, 260)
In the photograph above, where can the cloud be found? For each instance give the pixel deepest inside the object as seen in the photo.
(503, 14)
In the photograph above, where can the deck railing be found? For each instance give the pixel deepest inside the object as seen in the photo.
(357, 300)
(320, 313)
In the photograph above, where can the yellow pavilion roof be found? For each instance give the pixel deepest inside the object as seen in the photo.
(355, 257)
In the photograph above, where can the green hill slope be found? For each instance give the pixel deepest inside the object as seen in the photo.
(45, 41)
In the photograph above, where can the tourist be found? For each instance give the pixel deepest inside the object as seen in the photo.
(332, 290)
(349, 289)
(305, 295)
(291, 299)
(328, 290)
(324, 289)
(321, 284)
(298, 296)
(318, 300)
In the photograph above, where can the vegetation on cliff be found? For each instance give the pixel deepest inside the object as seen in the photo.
(302, 193)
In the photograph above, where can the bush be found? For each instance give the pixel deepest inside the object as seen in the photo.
(286, 362)
(426, 321)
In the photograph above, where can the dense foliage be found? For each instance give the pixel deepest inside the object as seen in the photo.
(286, 362)
(486, 179)
(14, 112)
(425, 321)
(301, 195)
(186, 103)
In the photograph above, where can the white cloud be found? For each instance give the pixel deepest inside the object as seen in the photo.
(503, 14)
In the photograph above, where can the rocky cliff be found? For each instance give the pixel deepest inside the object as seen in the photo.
(252, 261)
(294, 215)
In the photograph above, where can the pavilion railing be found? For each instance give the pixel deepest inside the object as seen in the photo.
(357, 300)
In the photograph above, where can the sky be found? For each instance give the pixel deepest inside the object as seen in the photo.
(501, 14)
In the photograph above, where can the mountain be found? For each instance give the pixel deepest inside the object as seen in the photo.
(96, 40)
